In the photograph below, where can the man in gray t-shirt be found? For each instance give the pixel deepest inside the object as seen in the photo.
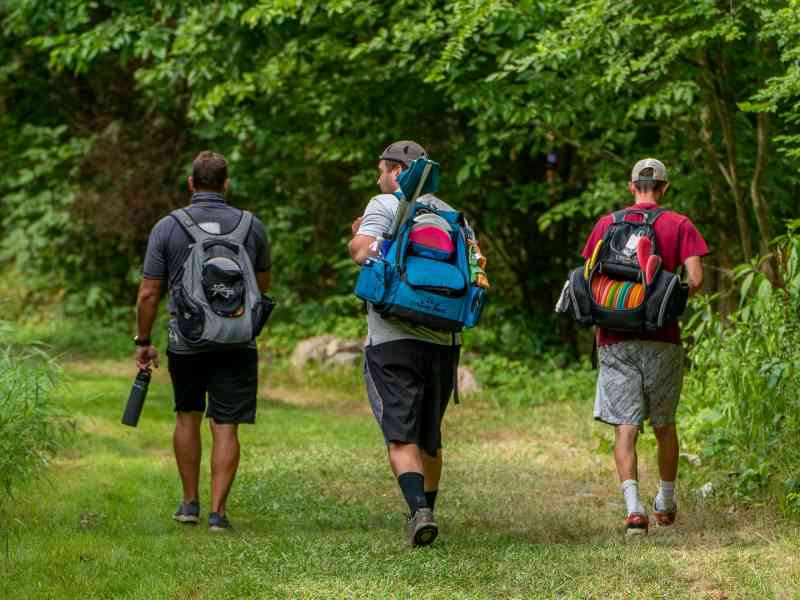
(168, 248)
(376, 223)
(409, 369)
(228, 377)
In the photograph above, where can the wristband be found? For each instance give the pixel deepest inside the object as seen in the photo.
(142, 341)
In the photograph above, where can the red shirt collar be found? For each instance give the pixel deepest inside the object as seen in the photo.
(644, 205)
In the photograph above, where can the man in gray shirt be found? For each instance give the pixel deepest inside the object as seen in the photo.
(228, 376)
(409, 369)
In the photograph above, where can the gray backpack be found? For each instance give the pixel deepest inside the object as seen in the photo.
(216, 297)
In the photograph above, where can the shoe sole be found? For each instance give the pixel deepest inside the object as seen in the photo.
(425, 535)
(186, 519)
(216, 528)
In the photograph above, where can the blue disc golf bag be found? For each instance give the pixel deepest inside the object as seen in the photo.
(419, 286)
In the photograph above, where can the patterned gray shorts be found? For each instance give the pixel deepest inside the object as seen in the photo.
(638, 381)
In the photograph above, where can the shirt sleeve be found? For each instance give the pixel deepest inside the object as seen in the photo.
(597, 234)
(263, 261)
(377, 219)
(690, 242)
(155, 259)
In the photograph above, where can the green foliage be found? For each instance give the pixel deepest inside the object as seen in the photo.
(292, 323)
(509, 382)
(302, 96)
(741, 394)
(782, 91)
(76, 338)
(506, 331)
(31, 429)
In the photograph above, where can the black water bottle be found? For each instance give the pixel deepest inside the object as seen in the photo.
(136, 398)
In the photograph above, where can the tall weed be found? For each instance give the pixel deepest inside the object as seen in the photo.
(31, 430)
(741, 393)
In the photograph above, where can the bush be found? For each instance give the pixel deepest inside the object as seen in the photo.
(741, 392)
(510, 382)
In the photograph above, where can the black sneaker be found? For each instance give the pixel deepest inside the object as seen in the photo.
(218, 522)
(188, 512)
(421, 528)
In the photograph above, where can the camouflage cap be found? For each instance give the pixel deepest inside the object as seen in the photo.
(657, 172)
(404, 151)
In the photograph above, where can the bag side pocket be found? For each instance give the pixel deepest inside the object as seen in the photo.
(475, 301)
(580, 298)
(371, 283)
(665, 298)
(191, 319)
(261, 312)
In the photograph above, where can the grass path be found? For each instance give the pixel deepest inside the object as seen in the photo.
(528, 509)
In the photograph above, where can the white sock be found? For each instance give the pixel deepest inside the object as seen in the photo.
(630, 491)
(665, 499)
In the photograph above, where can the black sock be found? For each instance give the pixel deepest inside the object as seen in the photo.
(413, 486)
(430, 497)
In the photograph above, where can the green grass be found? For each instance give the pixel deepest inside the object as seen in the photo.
(71, 338)
(528, 509)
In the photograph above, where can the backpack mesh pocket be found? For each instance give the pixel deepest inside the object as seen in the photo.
(190, 318)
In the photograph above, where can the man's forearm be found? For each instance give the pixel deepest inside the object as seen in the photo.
(694, 275)
(146, 311)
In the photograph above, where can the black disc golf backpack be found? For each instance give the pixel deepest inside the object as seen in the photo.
(613, 290)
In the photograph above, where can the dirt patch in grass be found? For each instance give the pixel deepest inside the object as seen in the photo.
(117, 369)
(332, 400)
(101, 368)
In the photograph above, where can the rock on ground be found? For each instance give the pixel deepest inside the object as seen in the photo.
(310, 350)
(327, 350)
(331, 351)
(467, 383)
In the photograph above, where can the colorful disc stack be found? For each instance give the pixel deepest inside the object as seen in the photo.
(619, 295)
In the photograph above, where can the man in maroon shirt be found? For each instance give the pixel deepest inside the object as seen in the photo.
(641, 374)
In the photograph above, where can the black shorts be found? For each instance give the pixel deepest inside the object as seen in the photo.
(409, 383)
(229, 376)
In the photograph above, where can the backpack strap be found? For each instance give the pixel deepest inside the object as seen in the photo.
(653, 215)
(242, 230)
(618, 216)
(190, 226)
(199, 235)
(456, 355)
(649, 217)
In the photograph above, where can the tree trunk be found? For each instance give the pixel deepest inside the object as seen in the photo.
(729, 171)
(769, 267)
(759, 203)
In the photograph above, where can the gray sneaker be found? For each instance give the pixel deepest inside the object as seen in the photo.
(421, 528)
(218, 522)
(188, 512)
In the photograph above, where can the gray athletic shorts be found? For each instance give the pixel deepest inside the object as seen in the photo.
(638, 381)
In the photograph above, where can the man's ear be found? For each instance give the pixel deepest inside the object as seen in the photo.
(190, 183)
(666, 187)
(225, 185)
(631, 188)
